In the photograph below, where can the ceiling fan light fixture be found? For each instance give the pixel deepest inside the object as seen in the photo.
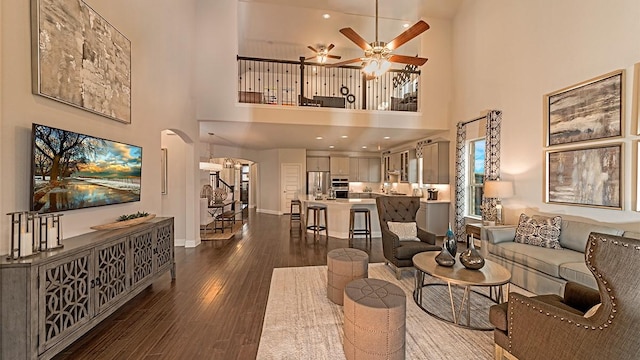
(376, 67)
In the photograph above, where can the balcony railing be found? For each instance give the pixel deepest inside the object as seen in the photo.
(301, 83)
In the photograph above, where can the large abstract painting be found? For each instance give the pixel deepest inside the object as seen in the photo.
(586, 176)
(587, 111)
(80, 59)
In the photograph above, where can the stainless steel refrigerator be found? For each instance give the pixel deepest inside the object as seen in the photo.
(318, 180)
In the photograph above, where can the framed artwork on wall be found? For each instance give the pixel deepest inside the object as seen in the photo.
(635, 112)
(590, 110)
(588, 176)
(78, 58)
(164, 171)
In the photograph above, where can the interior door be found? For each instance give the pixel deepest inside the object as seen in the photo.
(290, 179)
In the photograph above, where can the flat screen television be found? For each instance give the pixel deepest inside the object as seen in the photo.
(74, 171)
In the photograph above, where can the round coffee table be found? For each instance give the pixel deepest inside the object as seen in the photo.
(492, 275)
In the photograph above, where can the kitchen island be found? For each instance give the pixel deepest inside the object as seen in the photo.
(338, 215)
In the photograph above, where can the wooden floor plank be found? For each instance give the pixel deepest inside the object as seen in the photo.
(215, 307)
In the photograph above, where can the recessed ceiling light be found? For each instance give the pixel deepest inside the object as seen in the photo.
(364, 146)
(318, 137)
(331, 146)
(326, 16)
(405, 25)
(344, 136)
(387, 137)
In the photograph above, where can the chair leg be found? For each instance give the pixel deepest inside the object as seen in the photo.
(398, 273)
(500, 354)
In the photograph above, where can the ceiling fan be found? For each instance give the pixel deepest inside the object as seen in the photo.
(323, 54)
(378, 55)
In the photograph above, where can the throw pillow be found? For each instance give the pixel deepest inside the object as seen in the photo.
(592, 311)
(404, 230)
(539, 231)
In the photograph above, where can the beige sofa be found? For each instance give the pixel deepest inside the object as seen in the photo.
(543, 270)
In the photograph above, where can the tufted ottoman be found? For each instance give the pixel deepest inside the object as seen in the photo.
(343, 266)
(374, 320)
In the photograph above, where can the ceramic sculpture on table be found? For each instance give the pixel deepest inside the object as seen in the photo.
(471, 258)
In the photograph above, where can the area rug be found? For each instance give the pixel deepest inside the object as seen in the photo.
(301, 323)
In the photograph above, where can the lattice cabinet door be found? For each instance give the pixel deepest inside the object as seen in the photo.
(65, 295)
(142, 256)
(111, 271)
(164, 247)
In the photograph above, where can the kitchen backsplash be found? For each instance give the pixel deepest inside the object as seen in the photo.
(444, 192)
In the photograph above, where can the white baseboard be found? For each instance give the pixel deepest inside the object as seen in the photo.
(271, 212)
(191, 243)
(179, 242)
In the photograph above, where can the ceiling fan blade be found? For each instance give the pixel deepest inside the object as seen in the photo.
(346, 62)
(334, 57)
(412, 60)
(312, 49)
(409, 34)
(357, 39)
(311, 57)
(331, 46)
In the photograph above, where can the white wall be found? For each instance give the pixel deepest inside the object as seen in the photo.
(508, 54)
(162, 40)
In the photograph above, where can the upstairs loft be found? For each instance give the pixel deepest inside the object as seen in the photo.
(310, 84)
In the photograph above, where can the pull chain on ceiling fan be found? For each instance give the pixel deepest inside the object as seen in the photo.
(378, 55)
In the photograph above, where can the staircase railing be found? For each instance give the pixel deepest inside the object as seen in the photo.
(302, 83)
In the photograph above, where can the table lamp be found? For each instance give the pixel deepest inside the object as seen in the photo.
(498, 190)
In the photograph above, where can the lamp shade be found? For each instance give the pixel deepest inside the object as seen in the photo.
(498, 189)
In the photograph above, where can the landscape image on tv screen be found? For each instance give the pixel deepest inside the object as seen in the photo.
(73, 171)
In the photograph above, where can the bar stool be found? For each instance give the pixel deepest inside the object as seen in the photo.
(296, 210)
(316, 227)
(366, 231)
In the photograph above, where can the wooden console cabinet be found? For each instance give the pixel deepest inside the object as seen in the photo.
(53, 298)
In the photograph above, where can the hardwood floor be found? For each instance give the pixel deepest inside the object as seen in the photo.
(215, 307)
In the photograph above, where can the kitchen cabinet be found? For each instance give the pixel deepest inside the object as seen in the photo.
(318, 163)
(408, 166)
(433, 217)
(435, 163)
(364, 169)
(52, 298)
(339, 165)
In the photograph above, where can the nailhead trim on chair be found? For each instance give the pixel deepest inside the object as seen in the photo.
(614, 310)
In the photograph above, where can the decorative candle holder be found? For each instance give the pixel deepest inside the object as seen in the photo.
(50, 232)
(23, 235)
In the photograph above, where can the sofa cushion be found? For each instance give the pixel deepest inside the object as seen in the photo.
(578, 272)
(574, 234)
(497, 235)
(540, 231)
(404, 230)
(542, 259)
(632, 234)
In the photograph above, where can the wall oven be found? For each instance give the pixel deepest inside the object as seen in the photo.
(340, 187)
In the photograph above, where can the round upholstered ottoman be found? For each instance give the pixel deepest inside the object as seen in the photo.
(343, 266)
(374, 320)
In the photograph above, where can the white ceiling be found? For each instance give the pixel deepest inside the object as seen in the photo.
(265, 30)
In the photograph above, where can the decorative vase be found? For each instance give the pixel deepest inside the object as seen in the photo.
(445, 258)
(471, 258)
(450, 242)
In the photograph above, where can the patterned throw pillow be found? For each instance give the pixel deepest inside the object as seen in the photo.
(539, 231)
(404, 230)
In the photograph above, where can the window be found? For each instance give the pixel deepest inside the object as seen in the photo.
(475, 178)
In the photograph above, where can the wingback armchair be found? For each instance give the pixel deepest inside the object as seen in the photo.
(554, 327)
(399, 253)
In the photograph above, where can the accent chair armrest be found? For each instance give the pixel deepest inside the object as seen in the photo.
(580, 297)
(426, 237)
(500, 234)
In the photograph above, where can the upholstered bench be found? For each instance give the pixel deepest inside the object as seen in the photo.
(374, 320)
(343, 266)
